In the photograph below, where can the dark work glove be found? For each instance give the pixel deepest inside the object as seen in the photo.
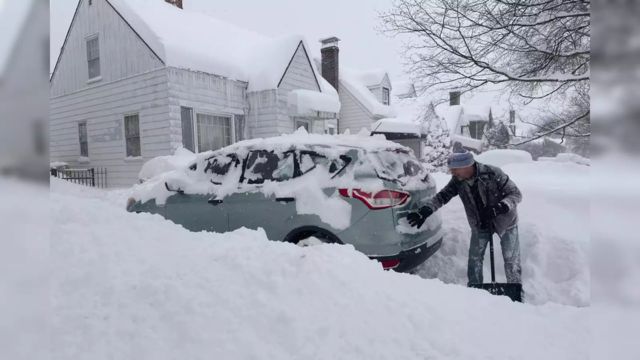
(416, 219)
(492, 212)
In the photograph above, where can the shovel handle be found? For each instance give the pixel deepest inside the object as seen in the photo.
(493, 270)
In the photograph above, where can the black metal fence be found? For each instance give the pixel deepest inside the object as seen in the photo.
(95, 177)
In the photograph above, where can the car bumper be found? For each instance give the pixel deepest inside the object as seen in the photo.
(411, 258)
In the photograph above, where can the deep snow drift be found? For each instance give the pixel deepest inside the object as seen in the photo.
(554, 235)
(134, 286)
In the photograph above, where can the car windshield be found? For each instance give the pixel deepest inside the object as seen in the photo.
(396, 165)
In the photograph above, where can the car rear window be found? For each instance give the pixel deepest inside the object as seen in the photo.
(396, 164)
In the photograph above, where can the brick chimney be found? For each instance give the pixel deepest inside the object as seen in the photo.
(176, 3)
(454, 98)
(330, 60)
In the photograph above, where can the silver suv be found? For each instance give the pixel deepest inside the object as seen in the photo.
(381, 185)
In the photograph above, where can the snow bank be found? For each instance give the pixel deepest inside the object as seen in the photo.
(24, 270)
(128, 286)
(162, 164)
(568, 157)
(502, 157)
(554, 240)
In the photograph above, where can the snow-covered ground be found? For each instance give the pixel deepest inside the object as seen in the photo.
(137, 286)
(554, 236)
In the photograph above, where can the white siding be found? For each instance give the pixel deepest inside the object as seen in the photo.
(268, 110)
(103, 107)
(299, 75)
(262, 120)
(122, 52)
(204, 93)
(353, 115)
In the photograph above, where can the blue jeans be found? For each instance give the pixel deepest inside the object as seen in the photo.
(510, 253)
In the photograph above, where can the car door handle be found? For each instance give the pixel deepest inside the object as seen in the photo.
(285, 199)
(214, 201)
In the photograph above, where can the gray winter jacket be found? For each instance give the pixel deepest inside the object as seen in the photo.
(493, 186)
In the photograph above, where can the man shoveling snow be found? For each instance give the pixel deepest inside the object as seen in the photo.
(490, 199)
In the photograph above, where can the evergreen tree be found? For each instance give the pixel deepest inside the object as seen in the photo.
(436, 147)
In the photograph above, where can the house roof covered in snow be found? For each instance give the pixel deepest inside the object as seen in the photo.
(369, 78)
(403, 89)
(358, 83)
(397, 126)
(199, 42)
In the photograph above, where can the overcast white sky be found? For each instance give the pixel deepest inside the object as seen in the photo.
(353, 21)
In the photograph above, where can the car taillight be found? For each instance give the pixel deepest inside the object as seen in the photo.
(390, 264)
(382, 199)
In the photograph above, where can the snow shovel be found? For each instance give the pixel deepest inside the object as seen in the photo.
(512, 290)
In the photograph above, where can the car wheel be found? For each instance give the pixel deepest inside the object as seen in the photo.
(310, 236)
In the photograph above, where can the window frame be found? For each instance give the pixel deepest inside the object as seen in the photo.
(231, 137)
(297, 120)
(128, 153)
(81, 125)
(88, 39)
(192, 127)
(386, 96)
(239, 134)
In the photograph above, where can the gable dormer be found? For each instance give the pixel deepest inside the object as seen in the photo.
(100, 47)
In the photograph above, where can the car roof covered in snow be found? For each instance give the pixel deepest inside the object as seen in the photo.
(196, 41)
(302, 139)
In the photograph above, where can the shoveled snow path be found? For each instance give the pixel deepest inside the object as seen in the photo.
(135, 286)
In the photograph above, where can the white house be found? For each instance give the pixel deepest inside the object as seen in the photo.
(138, 79)
(365, 96)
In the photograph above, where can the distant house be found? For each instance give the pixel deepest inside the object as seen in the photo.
(138, 79)
(365, 95)
(466, 124)
(404, 90)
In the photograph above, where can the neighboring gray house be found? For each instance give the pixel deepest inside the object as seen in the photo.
(137, 79)
(404, 90)
(365, 96)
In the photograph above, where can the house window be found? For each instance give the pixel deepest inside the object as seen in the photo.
(93, 57)
(385, 96)
(84, 142)
(132, 134)
(302, 123)
(214, 132)
(476, 129)
(239, 124)
(186, 115)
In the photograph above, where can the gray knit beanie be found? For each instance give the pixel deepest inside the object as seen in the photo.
(460, 157)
